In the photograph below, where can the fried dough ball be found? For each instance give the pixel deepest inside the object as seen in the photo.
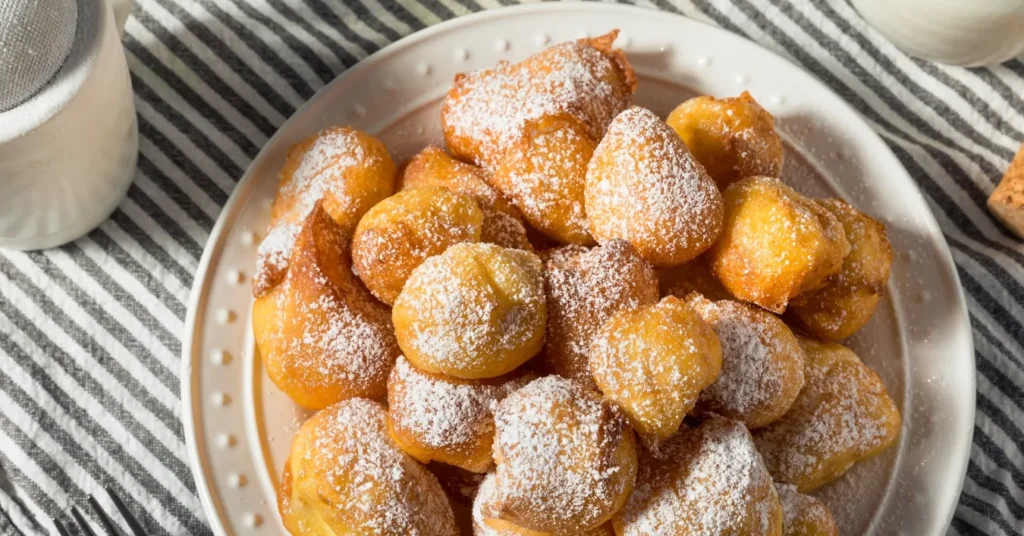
(848, 299)
(707, 480)
(350, 170)
(344, 476)
(544, 172)
(474, 311)
(694, 276)
(732, 138)
(585, 287)
(842, 416)
(486, 110)
(775, 243)
(762, 363)
(653, 362)
(644, 186)
(322, 336)
(485, 526)
(565, 458)
(400, 232)
(803, 515)
(445, 419)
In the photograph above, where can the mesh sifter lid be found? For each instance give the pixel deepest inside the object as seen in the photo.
(36, 37)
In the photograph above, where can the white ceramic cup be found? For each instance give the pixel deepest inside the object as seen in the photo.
(68, 153)
(958, 32)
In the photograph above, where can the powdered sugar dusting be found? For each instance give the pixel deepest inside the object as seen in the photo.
(800, 511)
(339, 342)
(555, 450)
(272, 257)
(544, 175)
(361, 475)
(654, 362)
(644, 186)
(707, 481)
(398, 233)
(444, 413)
(473, 304)
(488, 109)
(761, 372)
(335, 332)
(585, 287)
(484, 526)
(320, 170)
(484, 495)
(502, 229)
(842, 415)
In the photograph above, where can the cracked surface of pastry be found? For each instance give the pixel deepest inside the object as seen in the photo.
(653, 363)
(732, 138)
(565, 459)
(486, 110)
(343, 475)
(400, 232)
(849, 298)
(843, 415)
(644, 186)
(444, 419)
(474, 311)
(762, 363)
(544, 172)
(320, 333)
(585, 287)
(775, 243)
(706, 480)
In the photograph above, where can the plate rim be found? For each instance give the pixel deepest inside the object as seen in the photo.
(200, 286)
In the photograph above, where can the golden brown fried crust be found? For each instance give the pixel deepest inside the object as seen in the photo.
(584, 288)
(847, 300)
(653, 362)
(843, 415)
(732, 138)
(475, 311)
(775, 243)
(400, 232)
(320, 333)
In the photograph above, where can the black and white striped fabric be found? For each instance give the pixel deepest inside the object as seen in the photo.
(90, 332)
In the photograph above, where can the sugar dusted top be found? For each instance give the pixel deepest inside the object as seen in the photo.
(488, 109)
(644, 186)
(558, 457)
(370, 485)
(444, 413)
(706, 481)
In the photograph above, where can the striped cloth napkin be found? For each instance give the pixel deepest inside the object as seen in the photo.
(90, 332)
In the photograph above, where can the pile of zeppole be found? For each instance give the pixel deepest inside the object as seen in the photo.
(575, 318)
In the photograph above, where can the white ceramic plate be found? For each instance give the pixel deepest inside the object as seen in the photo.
(239, 426)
